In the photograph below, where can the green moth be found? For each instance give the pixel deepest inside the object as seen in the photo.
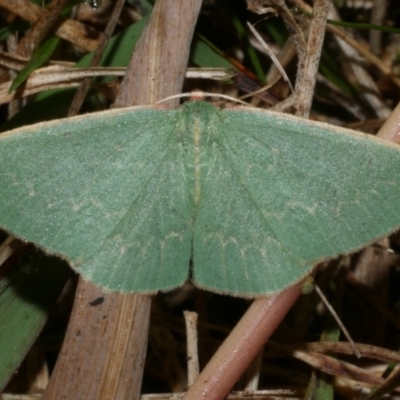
(239, 200)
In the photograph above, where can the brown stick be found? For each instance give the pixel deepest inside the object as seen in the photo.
(160, 54)
(105, 361)
(307, 74)
(97, 360)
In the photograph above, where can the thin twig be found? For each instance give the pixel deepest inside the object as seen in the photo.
(337, 319)
(95, 61)
(192, 351)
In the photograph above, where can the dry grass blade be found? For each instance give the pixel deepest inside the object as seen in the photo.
(271, 54)
(367, 351)
(54, 77)
(390, 385)
(335, 367)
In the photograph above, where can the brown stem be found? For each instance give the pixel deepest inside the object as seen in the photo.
(97, 360)
(163, 53)
(307, 73)
(104, 350)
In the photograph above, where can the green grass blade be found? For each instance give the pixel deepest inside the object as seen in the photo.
(39, 57)
(26, 297)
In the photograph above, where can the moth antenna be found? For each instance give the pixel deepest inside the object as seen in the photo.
(199, 95)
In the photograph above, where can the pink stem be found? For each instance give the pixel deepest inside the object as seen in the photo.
(242, 345)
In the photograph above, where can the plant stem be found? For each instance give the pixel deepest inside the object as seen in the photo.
(242, 345)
